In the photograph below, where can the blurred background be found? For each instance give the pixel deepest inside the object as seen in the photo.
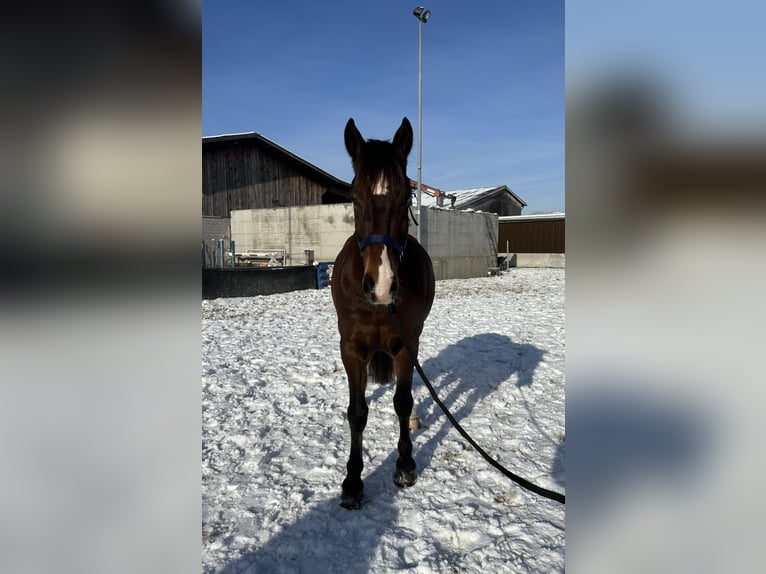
(99, 307)
(666, 205)
(99, 293)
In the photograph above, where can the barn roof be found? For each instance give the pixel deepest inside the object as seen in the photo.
(266, 142)
(466, 197)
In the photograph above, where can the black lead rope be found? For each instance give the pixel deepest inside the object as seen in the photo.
(415, 221)
(558, 497)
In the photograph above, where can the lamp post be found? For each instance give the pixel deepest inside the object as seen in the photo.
(422, 15)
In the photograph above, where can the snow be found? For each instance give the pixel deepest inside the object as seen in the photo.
(275, 438)
(463, 196)
(534, 216)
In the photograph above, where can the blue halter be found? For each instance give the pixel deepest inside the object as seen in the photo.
(380, 239)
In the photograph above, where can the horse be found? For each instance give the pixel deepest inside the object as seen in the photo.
(380, 270)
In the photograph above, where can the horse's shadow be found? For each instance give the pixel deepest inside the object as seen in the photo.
(328, 538)
(627, 435)
(471, 370)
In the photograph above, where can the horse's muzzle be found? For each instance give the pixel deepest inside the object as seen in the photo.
(380, 293)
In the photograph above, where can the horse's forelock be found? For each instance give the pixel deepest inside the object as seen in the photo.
(378, 161)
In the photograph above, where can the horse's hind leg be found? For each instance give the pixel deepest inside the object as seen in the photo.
(405, 474)
(356, 369)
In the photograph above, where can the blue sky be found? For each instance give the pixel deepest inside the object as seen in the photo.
(493, 85)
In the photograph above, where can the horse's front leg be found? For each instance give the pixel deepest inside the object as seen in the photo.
(405, 474)
(356, 370)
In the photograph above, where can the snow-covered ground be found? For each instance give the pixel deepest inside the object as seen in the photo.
(275, 438)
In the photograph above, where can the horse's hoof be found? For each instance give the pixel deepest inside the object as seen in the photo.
(405, 478)
(350, 502)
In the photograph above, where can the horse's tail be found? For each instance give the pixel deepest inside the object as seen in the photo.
(381, 368)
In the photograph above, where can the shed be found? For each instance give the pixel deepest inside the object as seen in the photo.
(249, 171)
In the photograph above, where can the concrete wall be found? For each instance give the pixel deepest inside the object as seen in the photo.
(461, 244)
(322, 228)
(534, 259)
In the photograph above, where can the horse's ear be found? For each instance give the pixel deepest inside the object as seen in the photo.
(403, 138)
(354, 140)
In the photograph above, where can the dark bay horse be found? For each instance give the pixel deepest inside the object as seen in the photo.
(381, 265)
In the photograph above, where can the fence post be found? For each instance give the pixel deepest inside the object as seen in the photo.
(233, 249)
(212, 253)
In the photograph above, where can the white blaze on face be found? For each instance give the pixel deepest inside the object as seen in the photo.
(381, 186)
(385, 278)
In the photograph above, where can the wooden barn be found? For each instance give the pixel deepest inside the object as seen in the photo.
(249, 171)
(498, 199)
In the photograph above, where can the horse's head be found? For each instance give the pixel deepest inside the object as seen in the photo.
(381, 194)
